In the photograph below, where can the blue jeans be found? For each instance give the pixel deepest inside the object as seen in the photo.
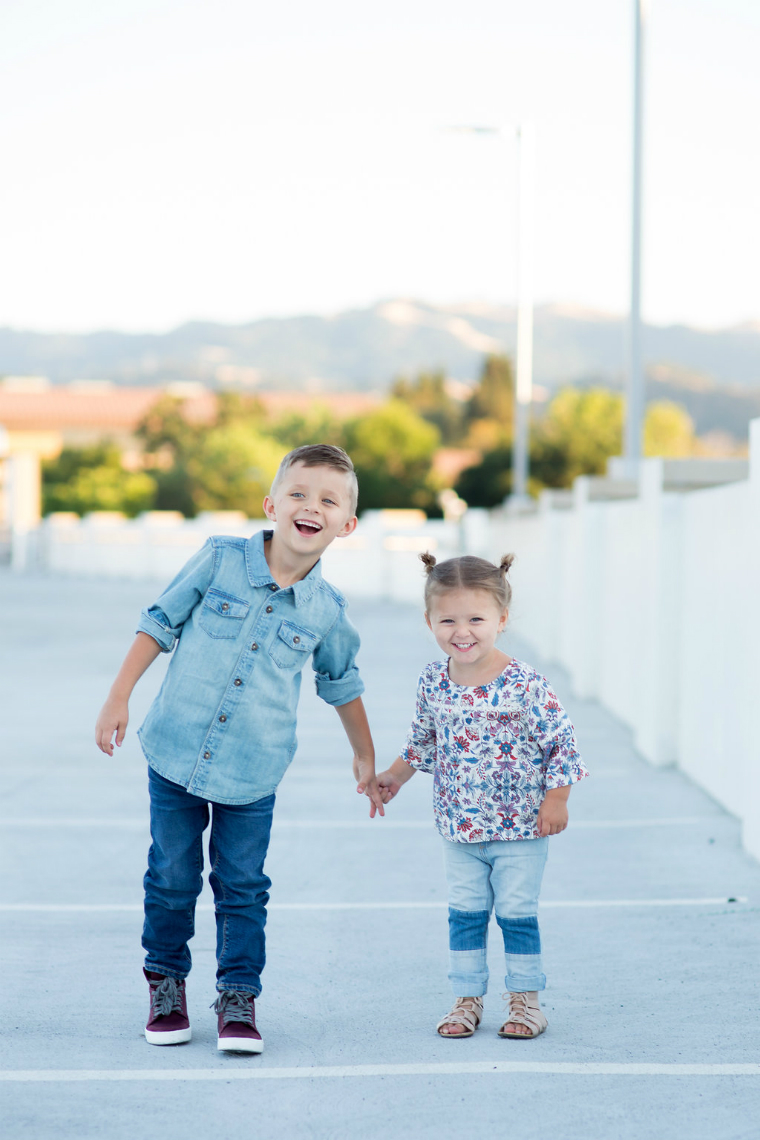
(504, 875)
(237, 848)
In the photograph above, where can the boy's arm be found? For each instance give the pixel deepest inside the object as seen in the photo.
(114, 716)
(356, 726)
(552, 815)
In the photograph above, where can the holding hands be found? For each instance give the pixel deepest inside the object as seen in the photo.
(390, 782)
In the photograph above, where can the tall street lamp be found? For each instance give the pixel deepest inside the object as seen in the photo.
(524, 135)
(634, 414)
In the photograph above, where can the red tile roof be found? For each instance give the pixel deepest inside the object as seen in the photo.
(122, 408)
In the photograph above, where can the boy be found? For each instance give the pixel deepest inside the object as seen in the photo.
(244, 614)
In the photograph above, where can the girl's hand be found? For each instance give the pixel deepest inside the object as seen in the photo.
(552, 815)
(391, 781)
(388, 785)
(114, 718)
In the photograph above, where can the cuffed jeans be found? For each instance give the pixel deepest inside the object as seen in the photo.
(237, 848)
(504, 875)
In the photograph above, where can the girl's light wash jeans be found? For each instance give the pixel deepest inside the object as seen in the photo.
(237, 849)
(505, 876)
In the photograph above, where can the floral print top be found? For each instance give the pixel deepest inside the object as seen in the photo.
(493, 749)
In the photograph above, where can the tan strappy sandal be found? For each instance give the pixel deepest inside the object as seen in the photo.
(523, 1012)
(467, 1011)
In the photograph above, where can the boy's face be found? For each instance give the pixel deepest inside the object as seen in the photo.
(311, 506)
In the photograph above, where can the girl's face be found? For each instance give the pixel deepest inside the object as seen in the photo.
(466, 623)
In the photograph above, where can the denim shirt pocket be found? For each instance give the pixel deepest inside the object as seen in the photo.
(222, 614)
(292, 645)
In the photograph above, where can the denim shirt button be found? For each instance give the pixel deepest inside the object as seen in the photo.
(296, 639)
(238, 681)
(273, 587)
(269, 609)
(225, 605)
(222, 718)
(206, 755)
(254, 647)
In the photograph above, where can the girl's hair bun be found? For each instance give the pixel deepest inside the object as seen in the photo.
(506, 562)
(428, 561)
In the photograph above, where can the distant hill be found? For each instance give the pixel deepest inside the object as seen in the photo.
(366, 348)
(716, 374)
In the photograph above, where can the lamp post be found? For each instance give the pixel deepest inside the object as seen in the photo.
(524, 135)
(634, 414)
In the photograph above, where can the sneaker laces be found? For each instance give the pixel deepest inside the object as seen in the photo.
(167, 998)
(234, 1005)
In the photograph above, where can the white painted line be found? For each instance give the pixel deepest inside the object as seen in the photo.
(133, 823)
(421, 1069)
(549, 904)
(673, 821)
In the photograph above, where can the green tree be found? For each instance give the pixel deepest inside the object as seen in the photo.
(233, 469)
(494, 396)
(427, 395)
(577, 435)
(668, 430)
(392, 449)
(93, 479)
(225, 465)
(316, 424)
(486, 484)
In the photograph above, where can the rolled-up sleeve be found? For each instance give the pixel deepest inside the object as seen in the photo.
(420, 747)
(163, 621)
(334, 661)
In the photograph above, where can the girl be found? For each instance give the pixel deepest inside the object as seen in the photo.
(503, 755)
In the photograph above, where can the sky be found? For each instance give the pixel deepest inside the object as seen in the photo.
(168, 161)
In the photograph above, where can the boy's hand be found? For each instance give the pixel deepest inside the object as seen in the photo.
(114, 718)
(552, 815)
(366, 784)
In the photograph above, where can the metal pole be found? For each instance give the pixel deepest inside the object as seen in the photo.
(524, 377)
(634, 373)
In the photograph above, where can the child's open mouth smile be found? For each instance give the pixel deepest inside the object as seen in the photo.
(307, 526)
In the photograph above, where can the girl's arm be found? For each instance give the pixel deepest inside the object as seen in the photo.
(114, 716)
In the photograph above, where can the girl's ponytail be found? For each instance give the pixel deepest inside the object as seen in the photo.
(468, 573)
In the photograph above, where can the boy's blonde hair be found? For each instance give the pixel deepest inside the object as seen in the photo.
(321, 455)
(468, 573)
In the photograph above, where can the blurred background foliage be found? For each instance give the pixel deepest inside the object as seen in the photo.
(229, 463)
(93, 479)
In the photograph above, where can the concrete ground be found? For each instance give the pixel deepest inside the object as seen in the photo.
(653, 992)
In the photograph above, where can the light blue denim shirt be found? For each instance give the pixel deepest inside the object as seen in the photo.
(224, 722)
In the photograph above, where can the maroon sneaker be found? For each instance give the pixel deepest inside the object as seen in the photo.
(168, 1023)
(237, 1023)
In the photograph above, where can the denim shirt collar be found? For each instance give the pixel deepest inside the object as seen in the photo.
(259, 573)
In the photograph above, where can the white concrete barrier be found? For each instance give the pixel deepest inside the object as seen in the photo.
(648, 595)
(646, 592)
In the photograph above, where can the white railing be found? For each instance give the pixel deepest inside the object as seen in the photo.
(647, 593)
